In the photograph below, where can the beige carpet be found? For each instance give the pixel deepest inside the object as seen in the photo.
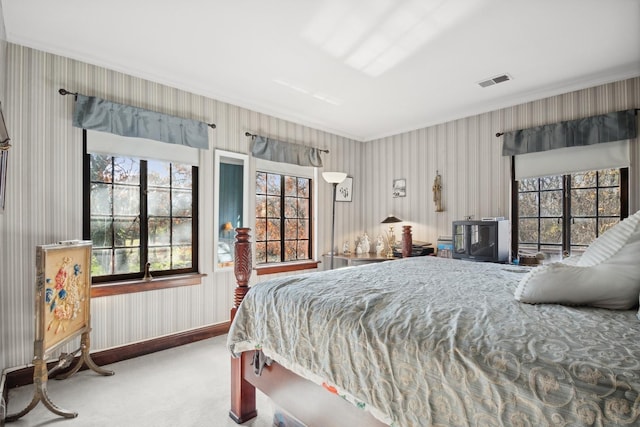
(180, 387)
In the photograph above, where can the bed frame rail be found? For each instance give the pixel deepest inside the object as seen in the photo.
(308, 402)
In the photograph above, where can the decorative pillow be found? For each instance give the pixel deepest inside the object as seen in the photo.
(612, 283)
(611, 241)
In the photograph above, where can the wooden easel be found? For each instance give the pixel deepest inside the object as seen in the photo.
(63, 281)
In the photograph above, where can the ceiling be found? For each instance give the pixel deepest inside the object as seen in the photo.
(363, 69)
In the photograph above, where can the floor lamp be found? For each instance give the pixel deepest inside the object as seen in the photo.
(334, 178)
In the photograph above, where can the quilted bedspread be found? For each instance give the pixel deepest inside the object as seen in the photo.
(431, 341)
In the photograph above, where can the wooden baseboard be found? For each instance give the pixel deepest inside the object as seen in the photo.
(24, 376)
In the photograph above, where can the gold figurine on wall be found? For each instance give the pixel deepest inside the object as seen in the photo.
(437, 192)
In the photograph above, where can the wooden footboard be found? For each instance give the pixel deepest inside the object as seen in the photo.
(308, 402)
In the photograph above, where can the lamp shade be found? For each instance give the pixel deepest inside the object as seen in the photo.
(390, 219)
(334, 177)
(227, 226)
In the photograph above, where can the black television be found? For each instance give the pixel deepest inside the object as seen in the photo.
(481, 240)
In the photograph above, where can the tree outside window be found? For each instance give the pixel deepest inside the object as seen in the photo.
(140, 212)
(283, 218)
(563, 214)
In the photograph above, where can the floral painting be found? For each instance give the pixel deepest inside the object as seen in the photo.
(65, 292)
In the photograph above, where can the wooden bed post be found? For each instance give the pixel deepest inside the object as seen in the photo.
(243, 394)
(407, 241)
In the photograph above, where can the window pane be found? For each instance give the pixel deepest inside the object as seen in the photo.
(290, 251)
(100, 167)
(127, 260)
(126, 171)
(609, 201)
(101, 199)
(181, 202)
(528, 184)
(101, 232)
(609, 177)
(583, 179)
(528, 204)
(303, 249)
(290, 187)
(550, 230)
(606, 223)
(115, 208)
(551, 182)
(160, 258)
(303, 229)
(273, 252)
(181, 234)
(273, 229)
(528, 230)
(273, 207)
(282, 217)
(291, 229)
(261, 253)
(290, 207)
(273, 184)
(261, 230)
(303, 208)
(261, 183)
(181, 257)
(126, 200)
(101, 262)
(261, 206)
(159, 231)
(551, 203)
(127, 231)
(158, 202)
(583, 202)
(181, 176)
(158, 173)
(303, 187)
(583, 231)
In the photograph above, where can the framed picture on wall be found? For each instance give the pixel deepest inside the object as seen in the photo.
(344, 190)
(399, 187)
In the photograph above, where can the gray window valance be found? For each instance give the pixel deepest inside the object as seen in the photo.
(285, 152)
(98, 114)
(609, 127)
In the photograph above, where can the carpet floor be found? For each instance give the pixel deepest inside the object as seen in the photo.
(186, 386)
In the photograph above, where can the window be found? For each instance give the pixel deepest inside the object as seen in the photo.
(565, 213)
(283, 218)
(139, 212)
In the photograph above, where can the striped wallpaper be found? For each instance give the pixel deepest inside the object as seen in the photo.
(44, 197)
(466, 152)
(44, 202)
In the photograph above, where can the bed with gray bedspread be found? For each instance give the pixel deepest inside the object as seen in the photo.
(431, 341)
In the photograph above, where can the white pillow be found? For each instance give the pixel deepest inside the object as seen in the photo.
(611, 241)
(613, 283)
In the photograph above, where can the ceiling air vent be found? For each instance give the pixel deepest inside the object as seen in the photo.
(495, 80)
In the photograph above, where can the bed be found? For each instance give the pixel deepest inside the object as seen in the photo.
(429, 341)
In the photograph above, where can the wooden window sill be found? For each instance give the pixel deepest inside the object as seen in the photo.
(140, 285)
(285, 267)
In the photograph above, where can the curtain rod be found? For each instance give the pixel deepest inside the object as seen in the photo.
(63, 92)
(319, 149)
(499, 134)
